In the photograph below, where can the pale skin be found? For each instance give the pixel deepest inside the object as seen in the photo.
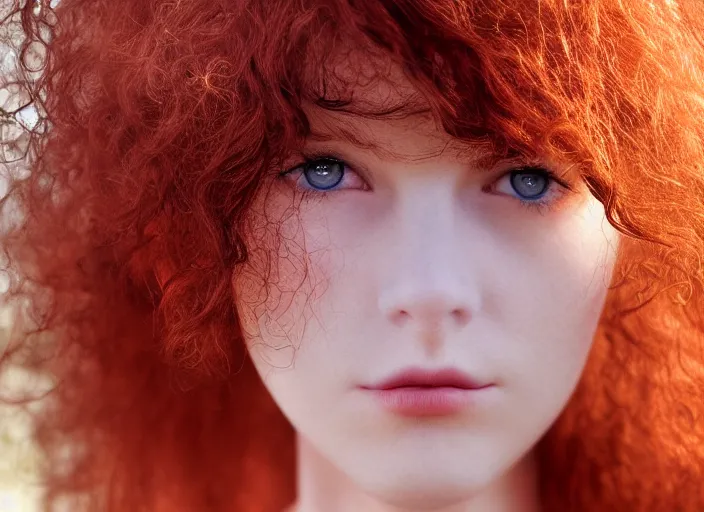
(420, 256)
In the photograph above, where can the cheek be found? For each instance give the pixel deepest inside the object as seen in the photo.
(578, 261)
(550, 304)
(558, 265)
(277, 290)
(283, 302)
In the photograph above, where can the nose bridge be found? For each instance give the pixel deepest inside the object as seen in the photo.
(426, 283)
(426, 232)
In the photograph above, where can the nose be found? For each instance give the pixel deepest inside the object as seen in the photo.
(426, 306)
(428, 284)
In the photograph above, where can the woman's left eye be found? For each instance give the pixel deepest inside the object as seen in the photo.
(324, 175)
(531, 185)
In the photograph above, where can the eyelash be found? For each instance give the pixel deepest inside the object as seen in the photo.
(540, 205)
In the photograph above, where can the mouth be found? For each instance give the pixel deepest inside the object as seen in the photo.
(416, 392)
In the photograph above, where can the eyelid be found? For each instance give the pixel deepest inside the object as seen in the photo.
(537, 168)
(562, 175)
(307, 156)
(307, 160)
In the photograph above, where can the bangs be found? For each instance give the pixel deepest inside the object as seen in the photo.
(393, 61)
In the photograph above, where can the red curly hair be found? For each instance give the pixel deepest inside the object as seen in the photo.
(157, 122)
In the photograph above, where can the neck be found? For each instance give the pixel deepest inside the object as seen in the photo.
(321, 487)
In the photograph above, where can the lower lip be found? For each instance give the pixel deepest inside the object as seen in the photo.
(428, 401)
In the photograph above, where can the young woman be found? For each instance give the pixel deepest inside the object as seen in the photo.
(450, 251)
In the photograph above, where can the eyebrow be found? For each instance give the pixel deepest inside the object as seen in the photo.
(346, 137)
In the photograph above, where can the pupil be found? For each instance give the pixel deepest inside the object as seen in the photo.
(529, 185)
(324, 174)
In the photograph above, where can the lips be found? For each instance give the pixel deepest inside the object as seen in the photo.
(418, 392)
(419, 378)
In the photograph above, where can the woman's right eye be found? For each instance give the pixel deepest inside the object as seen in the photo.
(324, 175)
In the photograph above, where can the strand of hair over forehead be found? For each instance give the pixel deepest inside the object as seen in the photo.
(136, 135)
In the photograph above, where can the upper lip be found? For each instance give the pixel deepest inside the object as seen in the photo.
(419, 377)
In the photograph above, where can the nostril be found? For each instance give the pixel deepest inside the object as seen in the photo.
(428, 305)
(429, 312)
(400, 317)
(461, 316)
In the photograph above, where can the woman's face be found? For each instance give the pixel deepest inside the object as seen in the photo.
(419, 313)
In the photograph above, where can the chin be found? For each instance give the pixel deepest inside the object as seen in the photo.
(425, 490)
(424, 499)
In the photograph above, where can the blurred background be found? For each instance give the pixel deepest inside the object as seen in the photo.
(19, 459)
